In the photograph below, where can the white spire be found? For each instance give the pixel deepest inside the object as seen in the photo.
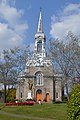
(40, 23)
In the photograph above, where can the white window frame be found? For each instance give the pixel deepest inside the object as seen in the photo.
(39, 79)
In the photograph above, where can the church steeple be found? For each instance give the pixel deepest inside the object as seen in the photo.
(39, 57)
(40, 23)
(40, 40)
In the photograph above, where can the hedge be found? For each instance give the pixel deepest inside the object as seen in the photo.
(73, 105)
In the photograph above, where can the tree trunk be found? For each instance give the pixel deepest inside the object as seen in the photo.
(67, 92)
(4, 93)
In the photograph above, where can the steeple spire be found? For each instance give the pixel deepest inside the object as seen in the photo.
(40, 23)
(40, 40)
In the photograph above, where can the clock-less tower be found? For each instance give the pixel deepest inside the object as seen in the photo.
(40, 40)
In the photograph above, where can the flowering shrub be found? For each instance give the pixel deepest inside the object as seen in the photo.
(20, 103)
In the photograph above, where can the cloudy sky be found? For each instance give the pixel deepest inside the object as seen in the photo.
(19, 20)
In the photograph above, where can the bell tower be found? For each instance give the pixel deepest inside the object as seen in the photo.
(39, 57)
(40, 40)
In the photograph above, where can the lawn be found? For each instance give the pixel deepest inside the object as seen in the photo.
(45, 111)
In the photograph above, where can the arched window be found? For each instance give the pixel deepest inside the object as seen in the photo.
(39, 78)
(57, 95)
(39, 91)
(21, 94)
(39, 46)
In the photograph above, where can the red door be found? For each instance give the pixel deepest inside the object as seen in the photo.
(39, 95)
(47, 97)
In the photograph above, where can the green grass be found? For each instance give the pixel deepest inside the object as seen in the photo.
(46, 111)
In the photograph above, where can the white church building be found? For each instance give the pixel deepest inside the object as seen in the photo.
(39, 82)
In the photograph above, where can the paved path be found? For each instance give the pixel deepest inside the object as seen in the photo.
(22, 116)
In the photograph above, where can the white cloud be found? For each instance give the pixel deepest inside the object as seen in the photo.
(10, 13)
(67, 20)
(12, 27)
(8, 37)
(72, 8)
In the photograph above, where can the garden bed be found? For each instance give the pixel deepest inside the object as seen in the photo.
(20, 103)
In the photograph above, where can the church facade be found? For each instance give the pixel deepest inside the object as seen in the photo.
(39, 81)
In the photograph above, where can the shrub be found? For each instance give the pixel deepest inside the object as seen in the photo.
(11, 95)
(64, 98)
(73, 105)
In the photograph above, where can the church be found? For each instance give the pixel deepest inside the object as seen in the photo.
(39, 82)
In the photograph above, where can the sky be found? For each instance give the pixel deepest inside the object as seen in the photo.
(19, 20)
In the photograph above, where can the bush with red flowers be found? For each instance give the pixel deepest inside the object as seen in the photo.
(20, 103)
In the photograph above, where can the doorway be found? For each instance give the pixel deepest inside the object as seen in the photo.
(39, 95)
(47, 97)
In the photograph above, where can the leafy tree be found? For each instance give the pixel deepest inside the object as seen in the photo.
(11, 95)
(66, 59)
(73, 105)
(11, 64)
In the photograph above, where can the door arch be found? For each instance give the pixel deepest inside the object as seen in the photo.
(47, 97)
(39, 95)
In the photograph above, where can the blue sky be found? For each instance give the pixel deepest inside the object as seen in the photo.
(19, 20)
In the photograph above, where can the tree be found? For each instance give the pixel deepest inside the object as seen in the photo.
(11, 64)
(66, 58)
(11, 95)
(73, 105)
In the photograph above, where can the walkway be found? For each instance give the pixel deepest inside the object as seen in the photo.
(22, 116)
